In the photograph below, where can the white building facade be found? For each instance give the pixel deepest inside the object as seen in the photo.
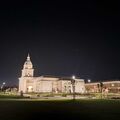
(47, 84)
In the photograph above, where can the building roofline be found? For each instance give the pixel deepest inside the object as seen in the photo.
(104, 82)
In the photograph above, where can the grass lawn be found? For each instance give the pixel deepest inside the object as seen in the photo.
(59, 109)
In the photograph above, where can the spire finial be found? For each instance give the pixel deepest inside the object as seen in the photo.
(28, 57)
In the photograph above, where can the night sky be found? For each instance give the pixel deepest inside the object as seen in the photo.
(62, 38)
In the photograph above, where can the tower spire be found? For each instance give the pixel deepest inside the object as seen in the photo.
(27, 67)
(28, 57)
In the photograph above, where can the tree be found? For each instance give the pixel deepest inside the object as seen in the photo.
(101, 86)
(98, 85)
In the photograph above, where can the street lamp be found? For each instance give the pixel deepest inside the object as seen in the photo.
(73, 86)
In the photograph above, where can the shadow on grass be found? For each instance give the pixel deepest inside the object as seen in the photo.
(60, 109)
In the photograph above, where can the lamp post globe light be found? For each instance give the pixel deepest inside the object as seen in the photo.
(73, 77)
(73, 86)
(4, 83)
(89, 80)
(2, 86)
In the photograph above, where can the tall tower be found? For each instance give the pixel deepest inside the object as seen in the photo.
(28, 70)
(26, 80)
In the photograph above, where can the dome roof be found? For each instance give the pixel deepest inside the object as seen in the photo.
(28, 63)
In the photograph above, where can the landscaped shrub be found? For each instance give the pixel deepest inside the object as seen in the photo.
(64, 95)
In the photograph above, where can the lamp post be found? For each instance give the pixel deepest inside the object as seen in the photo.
(2, 86)
(101, 88)
(73, 86)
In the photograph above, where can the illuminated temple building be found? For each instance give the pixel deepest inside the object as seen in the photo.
(42, 84)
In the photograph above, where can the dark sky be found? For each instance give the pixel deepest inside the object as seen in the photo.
(63, 38)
